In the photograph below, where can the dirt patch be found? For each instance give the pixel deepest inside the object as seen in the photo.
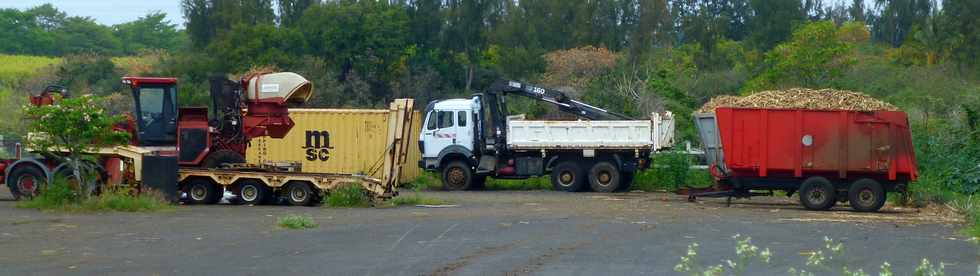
(536, 262)
(451, 268)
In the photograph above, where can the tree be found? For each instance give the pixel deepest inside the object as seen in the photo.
(964, 23)
(71, 130)
(773, 21)
(813, 57)
(654, 27)
(290, 11)
(894, 23)
(84, 35)
(247, 46)
(856, 11)
(151, 31)
(197, 20)
(368, 37)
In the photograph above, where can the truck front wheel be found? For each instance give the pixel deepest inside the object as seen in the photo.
(817, 193)
(457, 176)
(604, 177)
(26, 181)
(866, 195)
(568, 176)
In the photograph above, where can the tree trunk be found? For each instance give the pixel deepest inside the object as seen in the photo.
(469, 77)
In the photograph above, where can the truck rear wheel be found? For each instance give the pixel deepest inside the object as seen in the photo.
(457, 176)
(866, 195)
(299, 194)
(202, 191)
(817, 193)
(26, 181)
(253, 192)
(604, 177)
(568, 176)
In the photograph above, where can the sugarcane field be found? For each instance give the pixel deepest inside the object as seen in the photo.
(458, 137)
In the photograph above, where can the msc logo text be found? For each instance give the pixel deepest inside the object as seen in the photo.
(317, 145)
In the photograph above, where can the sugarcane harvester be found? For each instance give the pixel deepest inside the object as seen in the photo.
(202, 149)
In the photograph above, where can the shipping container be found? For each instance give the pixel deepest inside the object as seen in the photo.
(350, 141)
(796, 150)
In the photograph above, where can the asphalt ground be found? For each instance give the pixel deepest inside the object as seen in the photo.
(486, 233)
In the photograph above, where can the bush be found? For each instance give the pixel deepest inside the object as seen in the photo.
(59, 196)
(533, 183)
(297, 222)
(348, 196)
(671, 171)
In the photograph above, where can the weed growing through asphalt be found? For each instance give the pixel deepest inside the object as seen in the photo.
(58, 196)
(416, 199)
(297, 222)
(828, 260)
(348, 196)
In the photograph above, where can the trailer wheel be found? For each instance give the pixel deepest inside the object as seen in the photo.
(253, 192)
(457, 176)
(202, 191)
(625, 181)
(866, 195)
(299, 194)
(568, 176)
(604, 177)
(26, 181)
(817, 193)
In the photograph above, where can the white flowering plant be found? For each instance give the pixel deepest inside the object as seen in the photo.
(69, 131)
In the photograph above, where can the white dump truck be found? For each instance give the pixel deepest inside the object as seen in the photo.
(468, 140)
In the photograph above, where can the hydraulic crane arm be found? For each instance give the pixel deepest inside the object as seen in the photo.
(555, 97)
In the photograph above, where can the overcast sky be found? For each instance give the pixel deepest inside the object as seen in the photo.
(110, 12)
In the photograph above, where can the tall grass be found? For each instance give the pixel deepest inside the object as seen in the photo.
(17, 68)
(348, 196)
(59, 196)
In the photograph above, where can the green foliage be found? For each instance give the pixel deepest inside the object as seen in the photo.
(348, 196)
(88, 73)
(773, 22)
(416, 198)
(15, 69)
(814, 56)
(534, 183)
(60, 196)
(247, 46)
(670, 171)
(70, 130)
(296, 222)
(151, 31)
(426, 181)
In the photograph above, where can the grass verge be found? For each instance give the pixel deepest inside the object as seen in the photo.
(296, 222)
(348, 196)
(416, 198)
(60, 199)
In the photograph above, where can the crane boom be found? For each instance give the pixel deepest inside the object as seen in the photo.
(555, 97)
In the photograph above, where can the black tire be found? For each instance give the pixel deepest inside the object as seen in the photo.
(817, 193)
(866, 195)
(457, 176)
(625, 181)
(568, 176)
(253, 192)
(26, 181)
(87, 169)
(221, 157)
(604, 177)
(202, 191)
(299, 194)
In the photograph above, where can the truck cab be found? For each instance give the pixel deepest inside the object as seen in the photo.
(450, 128)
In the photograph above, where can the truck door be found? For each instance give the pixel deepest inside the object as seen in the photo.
(439, 132)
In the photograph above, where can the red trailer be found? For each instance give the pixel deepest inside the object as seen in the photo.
(828, 156)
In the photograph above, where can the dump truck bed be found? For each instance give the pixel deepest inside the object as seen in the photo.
(794, 143)
(654, 134)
